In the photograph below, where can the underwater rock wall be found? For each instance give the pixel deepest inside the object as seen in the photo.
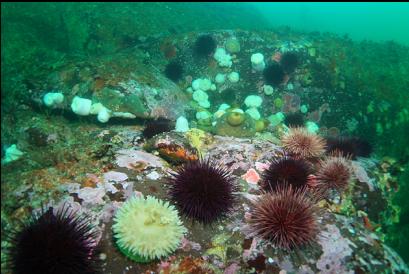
(97, 28)
(123, 82)
(149, 71)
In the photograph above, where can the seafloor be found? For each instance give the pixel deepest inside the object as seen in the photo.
(95, 167)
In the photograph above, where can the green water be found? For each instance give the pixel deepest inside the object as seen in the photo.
(360, 68)
(372, 21)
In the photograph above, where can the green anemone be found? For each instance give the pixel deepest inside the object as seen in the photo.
(147, 229)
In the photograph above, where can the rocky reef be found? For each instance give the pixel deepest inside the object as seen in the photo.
(73, 135)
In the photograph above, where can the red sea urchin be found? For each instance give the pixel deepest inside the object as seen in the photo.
(301, 143)
(52, 243)
(286, 218)
(285, 170)
(334, 173)
(203, 190)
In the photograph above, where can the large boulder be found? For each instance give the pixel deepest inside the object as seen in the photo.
(123, 82)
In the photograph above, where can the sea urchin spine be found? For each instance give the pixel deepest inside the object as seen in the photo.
(301, 143)
(203, 190)
(205, 45)
(334, 173)
(157, 126)
(286, 218)
(349, 147)
(52, 243)
(285, 170)
(274, 75)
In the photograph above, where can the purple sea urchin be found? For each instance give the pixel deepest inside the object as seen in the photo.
(294, 120)
(54, 243)
(286, 218)
(205, 45)
(363, 147)
(274, 74)
(203, 190)
(349, 147)
(174, 71)
(289, 61)
(342, 146)
(285, 170)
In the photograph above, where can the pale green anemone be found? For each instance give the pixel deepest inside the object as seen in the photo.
(147, 229)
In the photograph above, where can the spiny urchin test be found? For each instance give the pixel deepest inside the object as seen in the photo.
(147, 229)
(287, 218)
(54, 242)
(203, 190)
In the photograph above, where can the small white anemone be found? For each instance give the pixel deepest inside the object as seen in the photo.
(224, 106)
(253, 101)
(220, 78)
(182, 124)
(257, 62)
(200, 95)
(203, 115)
(233, 77)
(81, 106)
(223, 59)
(52, 99)
(254, 113)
